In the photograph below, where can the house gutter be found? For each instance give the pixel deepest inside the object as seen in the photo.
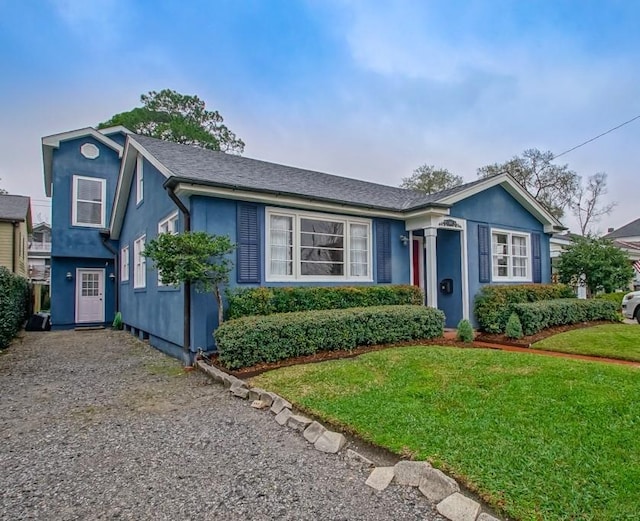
(104, 237)
(187, 285)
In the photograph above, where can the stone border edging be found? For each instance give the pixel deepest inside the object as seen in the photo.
(436, 486)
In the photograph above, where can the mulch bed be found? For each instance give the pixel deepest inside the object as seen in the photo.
(528, 341)
(322, 356)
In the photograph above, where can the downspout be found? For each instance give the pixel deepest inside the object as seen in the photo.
(187, 285)
(104, 237)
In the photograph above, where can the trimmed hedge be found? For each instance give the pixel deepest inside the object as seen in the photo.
(536, 316)
(269, 300)
(14, 301)
(616, 297)
(251, 340)
(494, 303)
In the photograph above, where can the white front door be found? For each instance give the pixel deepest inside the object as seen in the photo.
(89, 295)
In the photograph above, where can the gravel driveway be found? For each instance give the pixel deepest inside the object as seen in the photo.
(97, 425)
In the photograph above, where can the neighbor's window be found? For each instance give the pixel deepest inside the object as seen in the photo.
(511, 256)
(139, 180)
(124, 264)
(168, 225)
(139, 263)
(306, 246)
(88, 206)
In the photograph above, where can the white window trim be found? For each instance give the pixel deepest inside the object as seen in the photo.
(124, 264)
(296, 216)
(510, 277)
(139, 179)
(74, 201)
(137, 254)
(172, 216)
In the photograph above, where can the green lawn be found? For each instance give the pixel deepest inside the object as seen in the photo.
(612, 340)
(542, 438)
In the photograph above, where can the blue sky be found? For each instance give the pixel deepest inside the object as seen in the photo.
(364, 89)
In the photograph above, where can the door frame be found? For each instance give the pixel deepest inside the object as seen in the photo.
(78, 290)
(421, 257)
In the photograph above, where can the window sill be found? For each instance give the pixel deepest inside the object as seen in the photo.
(318, 279)
(139, 290)
(508, 279)
(124, 282)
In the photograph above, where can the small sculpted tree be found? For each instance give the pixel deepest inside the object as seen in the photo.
(597, 263)
(195, 257)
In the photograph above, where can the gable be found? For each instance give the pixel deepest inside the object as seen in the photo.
(498, 207)
(53, 142)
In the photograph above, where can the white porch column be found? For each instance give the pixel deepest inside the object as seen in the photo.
(432, 266)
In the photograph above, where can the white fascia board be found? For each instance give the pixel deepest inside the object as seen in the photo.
(49, 143)
(188, 189)
(125, 178)
(113, 130)
(551, 224)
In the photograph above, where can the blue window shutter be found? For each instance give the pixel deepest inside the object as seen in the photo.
(383, 252)
(484, 259)
(248, 268)
(536, 257)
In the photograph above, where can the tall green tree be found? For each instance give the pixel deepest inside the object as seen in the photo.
(553, 186)
(597, 263)
(195, 257)
(181, 118)
(429, 179)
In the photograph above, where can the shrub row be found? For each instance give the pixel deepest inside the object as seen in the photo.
(616, 297)
(266, 301)
(493, 304)
(536, 316)
(251, 340)
(14, 299)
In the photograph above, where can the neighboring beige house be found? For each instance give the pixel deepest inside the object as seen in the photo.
(39, 254)
(15, 226)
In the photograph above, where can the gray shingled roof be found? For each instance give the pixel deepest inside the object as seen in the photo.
(628, 230)
(227, 170)
(13, 207)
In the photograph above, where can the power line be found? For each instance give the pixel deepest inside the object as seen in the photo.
(594, 138)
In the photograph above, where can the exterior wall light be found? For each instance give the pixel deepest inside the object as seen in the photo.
(112, 277)
(404, 240)
(69, 276)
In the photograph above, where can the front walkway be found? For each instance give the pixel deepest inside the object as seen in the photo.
(97, 425)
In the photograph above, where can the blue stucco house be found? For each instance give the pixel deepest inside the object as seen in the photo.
(112, 191)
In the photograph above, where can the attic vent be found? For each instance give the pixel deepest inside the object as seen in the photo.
(90, 151)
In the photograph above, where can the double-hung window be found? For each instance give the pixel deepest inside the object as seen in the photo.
(511, 256)
(317, 247)
(124, 264)
(167, 225)
(139, 180)
(139, 263)
(88, 208)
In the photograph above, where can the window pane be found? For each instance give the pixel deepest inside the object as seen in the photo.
(322, 268)
(359, 250)
(322, 254)
(89, 213)
(281, 245)
(89, 190)
(326, 227)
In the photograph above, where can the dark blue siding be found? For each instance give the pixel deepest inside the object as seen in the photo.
(155, 310)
